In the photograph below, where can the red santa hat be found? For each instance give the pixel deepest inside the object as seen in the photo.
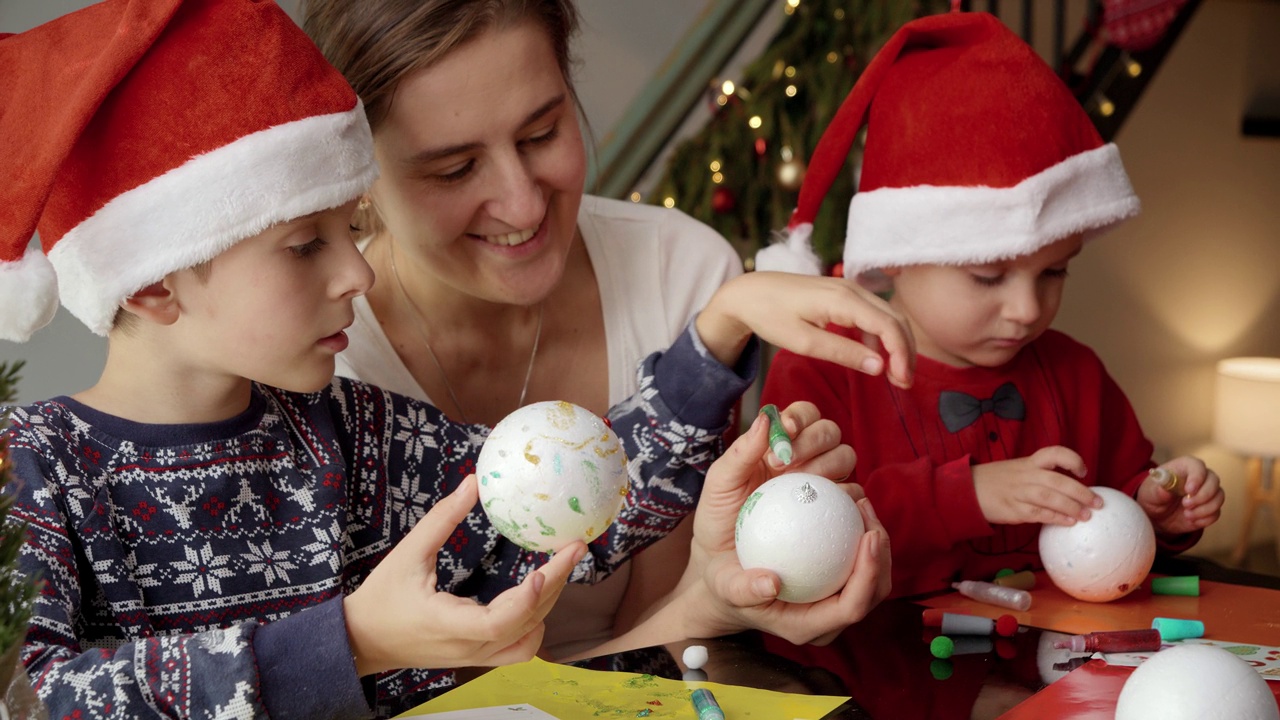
(147, 136)
(975, 151)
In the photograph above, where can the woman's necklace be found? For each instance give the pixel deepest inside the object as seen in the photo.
(421, 321)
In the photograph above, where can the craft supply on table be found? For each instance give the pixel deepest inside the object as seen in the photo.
(1113, 641)
(1188, 585)
(961, 624)
(779, 440)
(1024, 580)
(705, 705)
(992, 594)
(943, 647)
(1172, 629)
(695, 656)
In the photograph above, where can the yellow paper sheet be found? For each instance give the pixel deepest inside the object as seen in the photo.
(566, 692)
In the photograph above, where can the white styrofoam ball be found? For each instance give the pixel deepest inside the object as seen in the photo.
(1196, 682)
(1104, 557)
(695, 657)
(551, 473)
(803, 527)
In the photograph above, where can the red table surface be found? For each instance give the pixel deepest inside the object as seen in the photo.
(1236, 613)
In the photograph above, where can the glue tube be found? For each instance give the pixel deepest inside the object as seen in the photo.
(1115, 641)
(993, 594)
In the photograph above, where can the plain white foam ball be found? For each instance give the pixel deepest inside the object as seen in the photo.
(1104, 557)
(551, 473)
(1196, 682)
(806, 529)
(695, 657)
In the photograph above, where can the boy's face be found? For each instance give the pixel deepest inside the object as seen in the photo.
(982, 315)
(274, 306)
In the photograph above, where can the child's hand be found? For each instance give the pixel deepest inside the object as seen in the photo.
(1031, 490)
(792, 311)
(397, 618)
(1199, 508)
(726, 598)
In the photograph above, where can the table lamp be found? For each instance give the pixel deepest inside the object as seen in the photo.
(1247, 420)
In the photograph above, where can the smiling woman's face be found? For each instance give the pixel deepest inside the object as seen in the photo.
(483, 168)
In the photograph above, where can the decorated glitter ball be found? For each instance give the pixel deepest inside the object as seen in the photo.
(1196, 682)
(805, 529)
(551, 473)
(1105, 557)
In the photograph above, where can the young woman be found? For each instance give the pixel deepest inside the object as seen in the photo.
(499, 283)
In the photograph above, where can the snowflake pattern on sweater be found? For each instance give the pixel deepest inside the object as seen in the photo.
(198, 570)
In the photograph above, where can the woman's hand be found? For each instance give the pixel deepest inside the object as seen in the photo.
(397, 618)
(792, 312)
(721, 597)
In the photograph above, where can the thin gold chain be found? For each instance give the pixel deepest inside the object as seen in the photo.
(421, 321)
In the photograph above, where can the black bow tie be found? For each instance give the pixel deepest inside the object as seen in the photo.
(959, 410)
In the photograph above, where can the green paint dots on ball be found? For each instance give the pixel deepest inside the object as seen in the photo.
(547, 530)
(574, 505)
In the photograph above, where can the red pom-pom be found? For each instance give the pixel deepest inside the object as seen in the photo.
(1006, 625)
(837, 270)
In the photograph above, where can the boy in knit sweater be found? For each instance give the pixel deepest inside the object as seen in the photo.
(222, 528)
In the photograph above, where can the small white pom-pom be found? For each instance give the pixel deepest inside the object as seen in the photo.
(695, 656)
(28, 295)
(792, 253)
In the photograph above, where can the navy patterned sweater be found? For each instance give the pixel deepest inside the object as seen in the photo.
(199, 570)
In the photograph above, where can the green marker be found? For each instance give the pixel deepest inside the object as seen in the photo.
(779, 441)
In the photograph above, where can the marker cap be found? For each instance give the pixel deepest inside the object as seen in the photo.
(1177, 585)
(1172, 629)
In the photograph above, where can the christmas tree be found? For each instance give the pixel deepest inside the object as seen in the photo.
(741, 173)
(16, 591)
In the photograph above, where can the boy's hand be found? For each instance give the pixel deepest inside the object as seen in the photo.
(792, 312)
(1199, 508)
(397, 618)
(1032, 490)
(726, 598)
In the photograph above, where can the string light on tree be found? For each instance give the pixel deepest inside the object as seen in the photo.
(790, 170)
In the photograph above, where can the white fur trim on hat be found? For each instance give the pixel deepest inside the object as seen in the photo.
(199, 209)
(928, 225)
(791, 253)
(28, 294)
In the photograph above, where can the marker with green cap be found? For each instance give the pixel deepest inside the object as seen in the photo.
(779, 440)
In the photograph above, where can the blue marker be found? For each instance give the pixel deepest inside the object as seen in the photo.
(704, 703)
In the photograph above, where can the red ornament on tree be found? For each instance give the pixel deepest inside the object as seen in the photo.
(761, 147)
(722, 200)
(837, 270)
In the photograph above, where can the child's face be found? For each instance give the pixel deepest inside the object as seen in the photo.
(982, 315)
(274, 306)
(483, 168)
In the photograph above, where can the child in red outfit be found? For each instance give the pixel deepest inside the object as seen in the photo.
(982, 178)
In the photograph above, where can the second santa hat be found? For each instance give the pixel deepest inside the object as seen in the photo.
(147, 136)
(975, 151)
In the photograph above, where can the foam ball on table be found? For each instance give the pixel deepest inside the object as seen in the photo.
(1196, 682)
(1104, 557)
(805, 529)
(695, 657)
(551, 473)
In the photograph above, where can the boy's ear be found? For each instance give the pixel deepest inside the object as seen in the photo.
(154, 303)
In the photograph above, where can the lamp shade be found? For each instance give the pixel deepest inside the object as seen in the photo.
(1247, 414)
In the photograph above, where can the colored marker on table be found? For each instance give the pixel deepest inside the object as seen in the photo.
(1024, 580)
(1113, 641)
(705, 705)
(1168, 480)
(1176, 585)
(1172, 629)
(779, 440)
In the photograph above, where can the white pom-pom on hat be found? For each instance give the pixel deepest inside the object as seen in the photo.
(28, 295)
(792, 253)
